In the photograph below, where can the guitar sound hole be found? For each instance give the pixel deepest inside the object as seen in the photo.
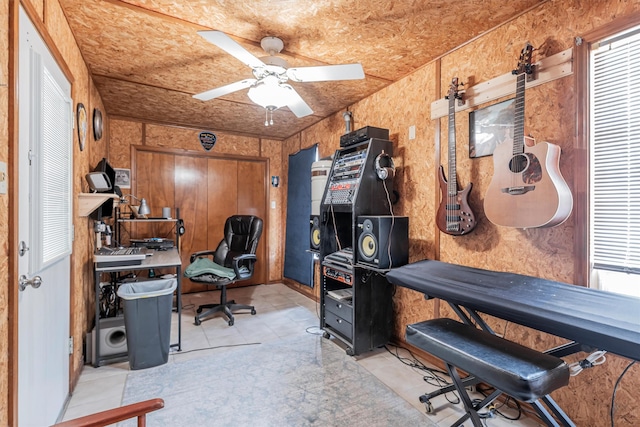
(519, 163)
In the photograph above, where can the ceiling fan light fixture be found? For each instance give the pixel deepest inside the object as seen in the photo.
(270, 95)
(272, 45)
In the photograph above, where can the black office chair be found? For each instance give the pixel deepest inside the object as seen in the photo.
(236, 253)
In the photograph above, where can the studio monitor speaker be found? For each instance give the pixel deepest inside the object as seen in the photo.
(113, 338)
(314, 234)
(383, 241)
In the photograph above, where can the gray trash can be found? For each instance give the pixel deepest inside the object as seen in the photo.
(147, 321)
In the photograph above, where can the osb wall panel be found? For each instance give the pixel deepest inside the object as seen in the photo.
(83, 310)
(273, 151)
(123, 134)
(4, 214)
(542, 252)
(326, 134)
(174, 137)
(38, 7)
(100, 148)
(405, 104)
(549, 116)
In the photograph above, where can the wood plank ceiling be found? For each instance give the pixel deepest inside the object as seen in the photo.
(147, 59)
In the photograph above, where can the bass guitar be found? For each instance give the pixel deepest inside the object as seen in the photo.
(527, 189)
(454, 215)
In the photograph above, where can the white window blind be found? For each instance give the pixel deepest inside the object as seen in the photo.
(51, 170)
(615, 154)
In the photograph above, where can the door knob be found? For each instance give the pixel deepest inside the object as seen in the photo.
(23, 282)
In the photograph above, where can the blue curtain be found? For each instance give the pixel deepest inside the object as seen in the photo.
(298, 261)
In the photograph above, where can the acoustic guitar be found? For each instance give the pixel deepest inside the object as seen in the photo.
(454, 215)
(527, 189)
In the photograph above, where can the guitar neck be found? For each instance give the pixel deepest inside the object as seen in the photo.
(518, 115)
(452, 185)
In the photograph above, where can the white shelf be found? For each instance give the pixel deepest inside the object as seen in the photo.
(89, 202)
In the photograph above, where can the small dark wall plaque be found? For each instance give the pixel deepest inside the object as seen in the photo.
(208, 140)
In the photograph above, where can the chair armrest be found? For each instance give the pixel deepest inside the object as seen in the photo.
(247, 260)
(112, 416)
(201, 253)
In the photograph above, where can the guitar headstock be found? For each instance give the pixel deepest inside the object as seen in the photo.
(453, 89)
(524, 62)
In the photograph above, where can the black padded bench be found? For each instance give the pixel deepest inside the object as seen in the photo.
(520, 372)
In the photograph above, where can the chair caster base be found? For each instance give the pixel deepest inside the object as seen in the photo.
(253, 311)
(198, 321)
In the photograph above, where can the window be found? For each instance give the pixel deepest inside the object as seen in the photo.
(51, 175)
(614, 152)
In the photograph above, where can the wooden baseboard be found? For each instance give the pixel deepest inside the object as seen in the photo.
(312, 293)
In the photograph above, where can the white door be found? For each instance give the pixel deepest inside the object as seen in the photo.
(45, 121)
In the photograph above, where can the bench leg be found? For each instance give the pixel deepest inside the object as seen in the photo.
(547, 418)
(471, 410)
(466, 382)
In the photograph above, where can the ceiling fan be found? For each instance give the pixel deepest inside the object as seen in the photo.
(269, 88)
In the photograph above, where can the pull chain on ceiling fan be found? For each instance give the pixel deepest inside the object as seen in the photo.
(269, 88)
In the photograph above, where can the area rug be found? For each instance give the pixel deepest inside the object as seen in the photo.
(303, 381)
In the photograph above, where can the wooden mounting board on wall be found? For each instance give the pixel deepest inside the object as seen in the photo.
(547, 69)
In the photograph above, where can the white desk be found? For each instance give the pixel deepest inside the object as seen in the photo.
(159, 259)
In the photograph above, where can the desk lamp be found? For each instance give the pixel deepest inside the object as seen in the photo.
(143, 209)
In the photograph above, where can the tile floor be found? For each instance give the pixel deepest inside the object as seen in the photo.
(281, 313)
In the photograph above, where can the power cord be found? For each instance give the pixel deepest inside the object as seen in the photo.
(615, 389)
(432, 377)
(594, 359)
(215, 347)
(495, 408)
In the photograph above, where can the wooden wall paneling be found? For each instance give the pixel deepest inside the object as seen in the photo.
(252, 191)
(222, 196)
(154, 180)
(191, 197)
(207, 190)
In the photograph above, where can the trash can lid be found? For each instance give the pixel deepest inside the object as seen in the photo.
(147, 289)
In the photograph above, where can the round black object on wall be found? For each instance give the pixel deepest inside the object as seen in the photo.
(97, 124)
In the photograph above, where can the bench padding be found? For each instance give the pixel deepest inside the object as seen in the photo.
(518, 371)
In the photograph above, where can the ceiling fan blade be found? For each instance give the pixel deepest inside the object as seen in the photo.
(223, 90)
(326, 73)
(296, 104)
(230, 46)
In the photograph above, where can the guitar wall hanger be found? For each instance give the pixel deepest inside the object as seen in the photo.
(547, 69)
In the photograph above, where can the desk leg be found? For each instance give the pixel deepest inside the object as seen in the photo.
(178, 308)
(179, 302)
(96, 331)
